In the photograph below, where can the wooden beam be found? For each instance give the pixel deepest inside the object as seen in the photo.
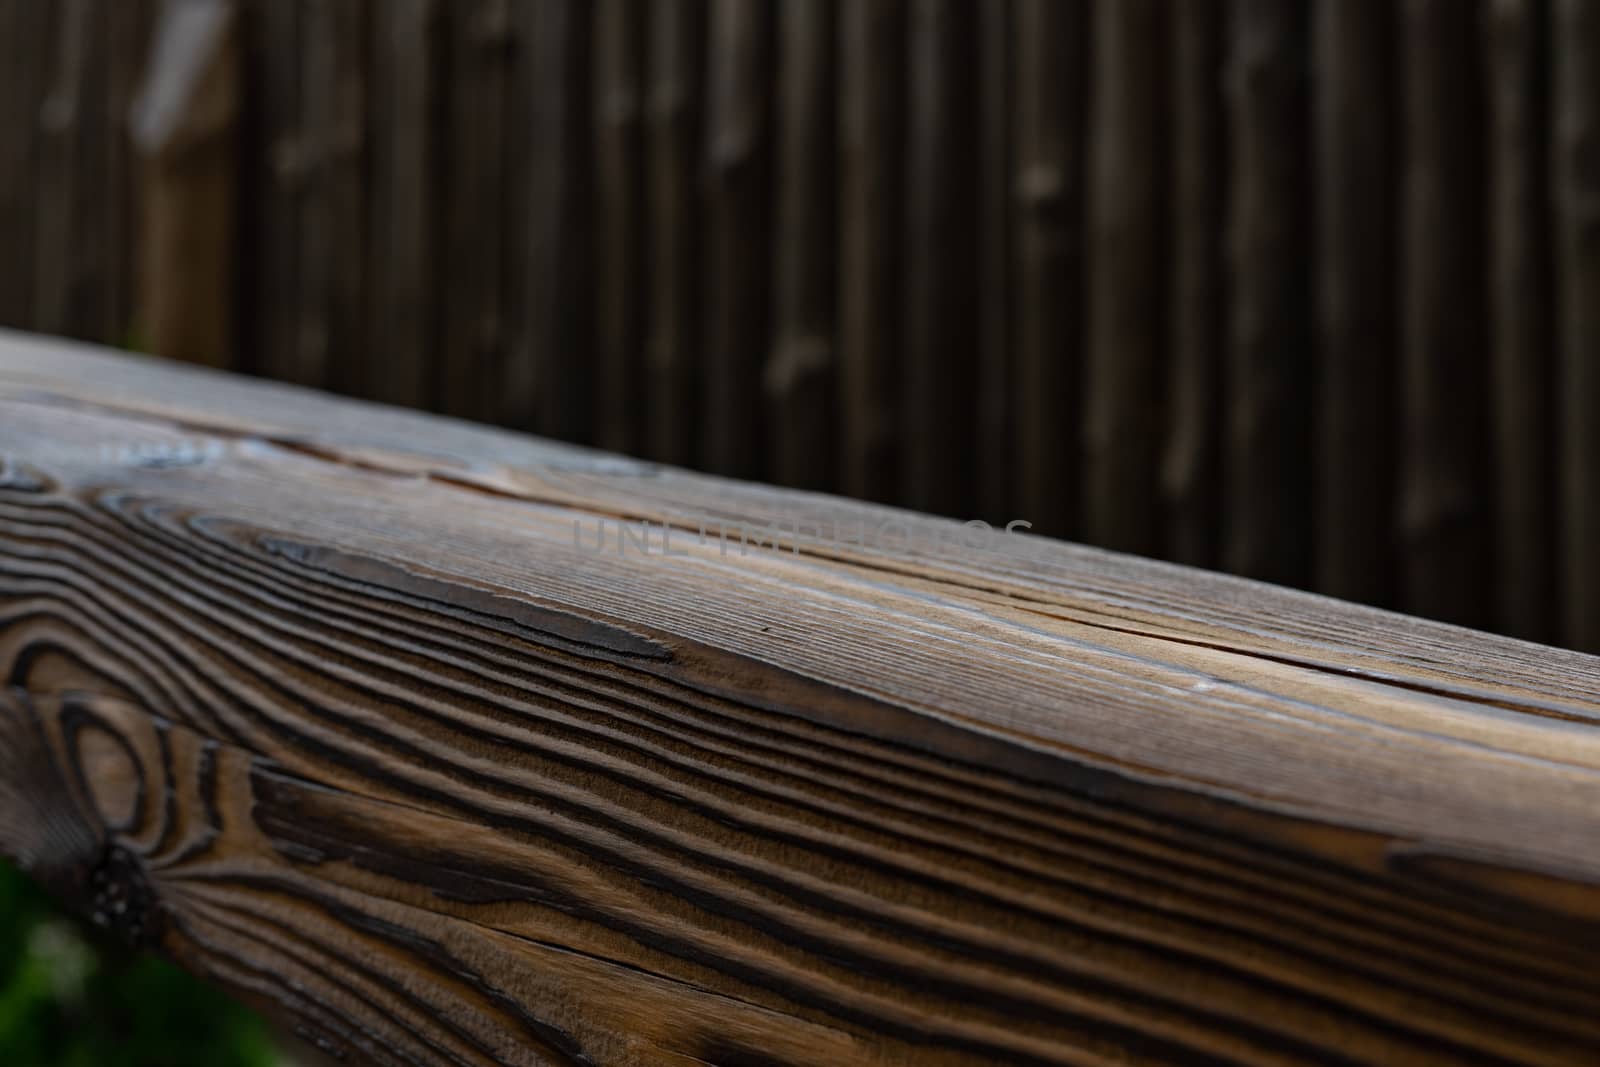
(381, 720)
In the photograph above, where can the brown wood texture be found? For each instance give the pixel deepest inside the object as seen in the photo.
(382, 721)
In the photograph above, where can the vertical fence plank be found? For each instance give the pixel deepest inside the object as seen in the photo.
(24, 62)
(1050, 52)
(1521, 365)
(71, 127)
(1122, 418)
(1355, 283)
(1191, 463)
(673, 130)
(473, 352)
(941, 270)
(330, 332)
(1577, 181)
(185, 130)
(128, 26)
(275, 173)
(619, 263)
(1445, 550)
(1267, 457)
(550, 386)
(871, 122)
(517, 165)
(996, 21)
(799, 378)
(738, 240)
(404, 241)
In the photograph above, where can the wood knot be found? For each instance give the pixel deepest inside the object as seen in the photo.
(121, 900)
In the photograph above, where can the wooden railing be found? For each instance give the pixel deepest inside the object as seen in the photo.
(460, 747)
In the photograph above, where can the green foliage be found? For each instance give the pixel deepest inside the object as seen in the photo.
(69, 1000)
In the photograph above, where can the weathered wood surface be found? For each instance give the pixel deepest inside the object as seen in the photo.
(323, 700)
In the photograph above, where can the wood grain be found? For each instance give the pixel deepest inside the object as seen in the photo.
(325, 701)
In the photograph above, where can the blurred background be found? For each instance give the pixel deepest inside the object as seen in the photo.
(1304, 291)
(1307, 291)
(70, 999)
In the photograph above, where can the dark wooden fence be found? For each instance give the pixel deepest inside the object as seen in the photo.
(1305, 291)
